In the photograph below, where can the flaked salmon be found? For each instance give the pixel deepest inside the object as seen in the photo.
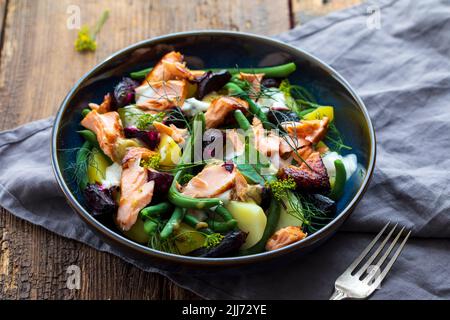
(177, 134)
(284, 237)
(265, 142)
(135, 190)
(311, 130)
(161, 95)
(312, 179)
(215, 180)
(211, 181)
(254, 80)
(108, 129)
(105, 106)
(170, 67)
(240, 187)
(221, 108)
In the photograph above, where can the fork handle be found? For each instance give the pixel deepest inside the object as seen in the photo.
(338, 295)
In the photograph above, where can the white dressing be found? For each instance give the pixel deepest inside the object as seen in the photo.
(113, 174)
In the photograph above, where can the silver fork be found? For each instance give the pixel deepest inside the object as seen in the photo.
(362, 283)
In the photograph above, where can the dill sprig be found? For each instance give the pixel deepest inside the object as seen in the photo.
(307, 212)
(152, 162)
(335, 139)
(77, 171)
(212, 240)
(144, 121)
(86, 38)
(280, 187)
(167, 245)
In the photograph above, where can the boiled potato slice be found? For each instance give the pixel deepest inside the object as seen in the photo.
(97, 164)
(319, 113)
(123, 145)
(137, 232)
(169, 151)
(287, 220)
(251, 218)
(188, 239)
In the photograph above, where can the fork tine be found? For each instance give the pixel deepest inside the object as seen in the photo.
(383, 274)
(376, 253)
(366, 250)
(385, 255)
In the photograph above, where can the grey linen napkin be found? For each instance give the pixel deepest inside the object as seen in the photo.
(402, 72)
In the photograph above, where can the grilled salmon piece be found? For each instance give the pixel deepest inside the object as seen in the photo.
(211, 181)
(170, 67)
(311, 130)
(266, 143)
(220, 109)
(177, 134)
(284, 237)
(107, 127)
(254, 80)
(314, 181)
(135, 190)
(161, 95)
(240, 187)
(105, 106)
(234, 143)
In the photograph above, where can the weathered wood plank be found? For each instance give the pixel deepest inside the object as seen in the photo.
(306, 10)
(38, 66)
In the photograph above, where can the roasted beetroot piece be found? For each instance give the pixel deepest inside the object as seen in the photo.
(231, 243)
(150, 138)
(212, 81)
(271, 82)
(100, 200)
(176, 118)
(124, 92)
(163, 181)
(322, 203)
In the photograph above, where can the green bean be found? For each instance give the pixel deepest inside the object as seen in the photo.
(196, 224)
(280, 71)
(254, 108)
(150, 227)
(339, 182)
(81, 164)
(174, 195)
(90, 136)
(173, 223)
(85, 111)
(183, 201)
(156, 210)
(273, 215)
(241, 120)
(224, 213)
(141, 74)
(222, 226)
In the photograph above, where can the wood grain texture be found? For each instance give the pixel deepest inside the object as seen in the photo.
(38, 65)
(306, 10)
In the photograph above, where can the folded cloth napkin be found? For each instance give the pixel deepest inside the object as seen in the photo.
(395, 54)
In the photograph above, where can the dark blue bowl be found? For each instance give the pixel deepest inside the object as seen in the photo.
(215, 49)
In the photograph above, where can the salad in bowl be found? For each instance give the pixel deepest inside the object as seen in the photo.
(212, 163)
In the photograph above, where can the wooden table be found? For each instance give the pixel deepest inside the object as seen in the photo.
(38, 65)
